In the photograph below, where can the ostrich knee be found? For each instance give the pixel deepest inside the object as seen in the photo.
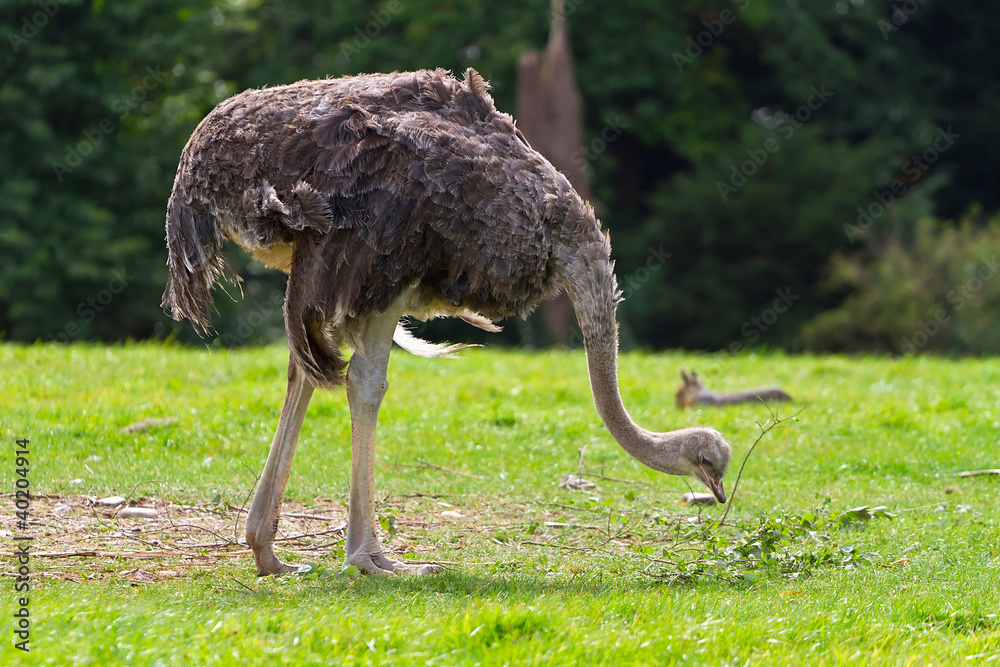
(367, 383)
(366, 389)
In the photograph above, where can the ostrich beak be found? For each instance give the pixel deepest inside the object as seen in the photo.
(714, 485)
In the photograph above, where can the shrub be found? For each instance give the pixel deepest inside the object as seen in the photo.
(930, 290)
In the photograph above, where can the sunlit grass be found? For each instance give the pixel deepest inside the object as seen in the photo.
(506, 428)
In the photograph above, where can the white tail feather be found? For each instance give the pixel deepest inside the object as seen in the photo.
(477, 320)
(422, 348)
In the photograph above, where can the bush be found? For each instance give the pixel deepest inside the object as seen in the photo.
(735, 252)
(931, 290)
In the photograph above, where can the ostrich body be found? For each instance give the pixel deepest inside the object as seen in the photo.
(384, 195)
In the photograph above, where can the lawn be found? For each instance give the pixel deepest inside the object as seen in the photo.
(471, 454)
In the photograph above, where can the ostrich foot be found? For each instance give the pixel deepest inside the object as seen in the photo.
(268, 564)
(379, 563)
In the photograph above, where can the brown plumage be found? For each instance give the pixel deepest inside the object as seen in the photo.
(381, 183)
(382, 195)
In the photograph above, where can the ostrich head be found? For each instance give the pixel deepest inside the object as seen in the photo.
(697, 452)
(709, 455)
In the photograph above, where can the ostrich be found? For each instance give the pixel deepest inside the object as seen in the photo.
(383, 195)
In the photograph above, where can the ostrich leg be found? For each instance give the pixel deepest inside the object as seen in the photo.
(366, 387)
(262, 521)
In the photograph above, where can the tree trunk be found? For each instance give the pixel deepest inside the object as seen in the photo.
(550, 115)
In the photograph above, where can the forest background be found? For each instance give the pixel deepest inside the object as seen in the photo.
(798, 175)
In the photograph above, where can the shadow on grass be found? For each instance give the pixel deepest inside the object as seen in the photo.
(514, 586)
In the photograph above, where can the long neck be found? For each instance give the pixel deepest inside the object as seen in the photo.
(593, 290)
(603, 368)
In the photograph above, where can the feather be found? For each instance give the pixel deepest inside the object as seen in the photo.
(379, 184)
(422, 348)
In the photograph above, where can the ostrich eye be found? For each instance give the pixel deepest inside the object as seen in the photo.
(704, 459)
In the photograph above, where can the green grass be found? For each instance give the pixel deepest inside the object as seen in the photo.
(508, 426)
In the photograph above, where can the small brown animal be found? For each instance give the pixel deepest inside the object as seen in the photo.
(693, 391)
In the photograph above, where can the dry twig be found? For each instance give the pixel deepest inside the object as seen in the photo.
(769, 424)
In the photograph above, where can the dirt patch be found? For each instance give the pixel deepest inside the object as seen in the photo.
(78, 538)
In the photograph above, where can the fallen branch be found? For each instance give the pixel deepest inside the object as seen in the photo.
(242, 584)
(124, 554)
(976, 473)
(611, 479)
(559, 546)
(582, 526)
(202, 528)
(298, 515)
(227, 543)
(577, 509)
(62, 554)
(256, 479)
